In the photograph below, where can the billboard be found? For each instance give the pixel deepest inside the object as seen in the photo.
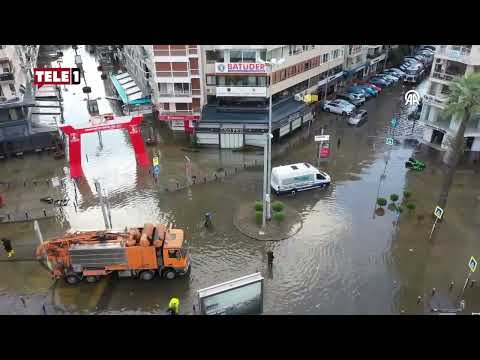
(236, 68)
(242, 296)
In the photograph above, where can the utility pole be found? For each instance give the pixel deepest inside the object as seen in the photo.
(98, 187)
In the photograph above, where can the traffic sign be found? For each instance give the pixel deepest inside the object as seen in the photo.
(472, 264)
(393, 122)
(319, 138)
(155, 161)
(156, 169)
(438, 212)
(389, 141)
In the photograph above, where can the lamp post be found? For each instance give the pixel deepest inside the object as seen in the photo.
(267, 213)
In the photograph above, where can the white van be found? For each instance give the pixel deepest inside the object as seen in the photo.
(297, 177)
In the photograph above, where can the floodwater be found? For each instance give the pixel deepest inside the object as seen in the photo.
(344, 260)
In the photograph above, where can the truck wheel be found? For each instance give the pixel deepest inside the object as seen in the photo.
(72, 279)
(170, 274)
(147, 275)
(92, 279)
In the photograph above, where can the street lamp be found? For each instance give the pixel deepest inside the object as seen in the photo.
(267, 165)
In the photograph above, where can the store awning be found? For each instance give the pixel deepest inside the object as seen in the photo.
(128, 91)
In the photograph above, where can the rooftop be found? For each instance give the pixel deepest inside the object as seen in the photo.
(279, 112)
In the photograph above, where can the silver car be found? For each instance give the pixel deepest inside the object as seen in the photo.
(358, 117)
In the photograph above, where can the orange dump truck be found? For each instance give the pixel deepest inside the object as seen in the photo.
(138, 252)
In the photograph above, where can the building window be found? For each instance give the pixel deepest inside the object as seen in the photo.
(235, 56)
(252, 81)
(181, 88)
(325, 58)
(335, 54)
(249, 56)
(221, 80)
(211, 80)
(262, 54)
(262, 81)
(165, 88)
(13, 114)
(183, 106)
(211, 57)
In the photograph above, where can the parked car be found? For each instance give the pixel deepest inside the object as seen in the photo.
(430, 47)
(391, 77)
(395, 71)
(369, 89)
(378, 77)
(360, 90)
(358, 117)
(374, 87)
(379, 82)
(355, 99)
(338, 107)
(344, 102)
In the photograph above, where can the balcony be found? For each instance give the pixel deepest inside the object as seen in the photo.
(8, 76)
(176, 94)
(172, 73)
(192, 51)
(443, 76)
(375, 55)
(455, 52)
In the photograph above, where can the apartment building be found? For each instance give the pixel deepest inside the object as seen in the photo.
(449, 61)
(239, 80)
(15, 99)
(376, 59)
(356, 61)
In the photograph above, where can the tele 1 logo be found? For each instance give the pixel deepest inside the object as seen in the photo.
(56, 76)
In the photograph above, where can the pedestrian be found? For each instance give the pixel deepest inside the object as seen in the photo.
(173, 306)
(208, 219)
(7, 245)
(270, 258)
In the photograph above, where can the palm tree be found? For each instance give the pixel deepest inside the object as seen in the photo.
(463, 101)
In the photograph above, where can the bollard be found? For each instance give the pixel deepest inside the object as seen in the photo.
(26, 215)
(215, 176)
(225, 173)
(235, 170)
(8, 216)
(472, 283)
(434, 291)
(451, 286)
(419, 299)
(44, 212)
(205, 179)
(178, 185)
(24, 184)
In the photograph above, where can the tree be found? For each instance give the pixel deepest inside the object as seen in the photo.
(463, 102)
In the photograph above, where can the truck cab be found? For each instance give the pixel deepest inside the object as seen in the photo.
(175, 257)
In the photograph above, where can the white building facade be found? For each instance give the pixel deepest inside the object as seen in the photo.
(449, 61)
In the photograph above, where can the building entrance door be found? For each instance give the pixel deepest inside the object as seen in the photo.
(437, 137)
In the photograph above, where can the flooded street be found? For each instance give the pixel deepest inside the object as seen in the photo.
(344, 260)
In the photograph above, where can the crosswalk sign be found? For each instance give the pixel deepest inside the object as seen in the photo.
(438, 212)
(472, 264)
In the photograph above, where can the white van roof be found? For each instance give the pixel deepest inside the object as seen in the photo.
(292, 168)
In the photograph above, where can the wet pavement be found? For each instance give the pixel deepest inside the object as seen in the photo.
(344, 260)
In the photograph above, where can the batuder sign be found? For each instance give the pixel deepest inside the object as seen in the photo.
(108, 122)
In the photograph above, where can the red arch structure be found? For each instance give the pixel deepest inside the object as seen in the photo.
(102, 123)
